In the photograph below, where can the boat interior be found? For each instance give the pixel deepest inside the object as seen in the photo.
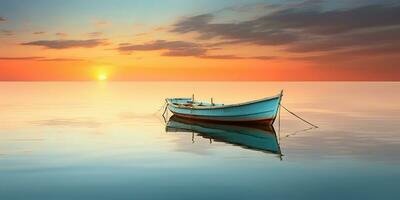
(191, 103)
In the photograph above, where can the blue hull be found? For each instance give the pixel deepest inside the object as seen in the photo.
(263, 110)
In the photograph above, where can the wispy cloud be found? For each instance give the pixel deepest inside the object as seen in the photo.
(248, 31)
(66, 44)
(263, 57)
(358, 39)
(43, 59)
(21, 58)
(62, 34)
(62, 60)
(181, 49)
(234, 57)
(7, 32)
(39, 33)
(332, 22)
(304, 27)
(95, 34)
(174, 48)
(355, 53)
(282, 26)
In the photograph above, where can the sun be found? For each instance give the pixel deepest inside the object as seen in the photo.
(102, 76)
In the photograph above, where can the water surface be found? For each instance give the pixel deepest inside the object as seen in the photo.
(87, 140)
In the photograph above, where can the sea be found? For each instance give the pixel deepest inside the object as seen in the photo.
(110, 140)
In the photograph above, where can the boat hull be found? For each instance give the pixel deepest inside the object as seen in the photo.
(260, 111)
(228, 120)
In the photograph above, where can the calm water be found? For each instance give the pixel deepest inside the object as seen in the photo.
(85, 140)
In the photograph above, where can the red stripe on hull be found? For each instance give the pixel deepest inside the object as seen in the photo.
(261, 121)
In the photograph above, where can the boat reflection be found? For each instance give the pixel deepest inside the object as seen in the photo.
(249, 136)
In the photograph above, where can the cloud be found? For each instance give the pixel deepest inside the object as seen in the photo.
(62, 34)
(355, 53)
(248, 31)
(66, 44)
(95, 34)
(186, 52)
(309, 19)
(2, 19)
(7, 32)
(234, 57)
(332, 22)
(196, 24)
(39, 33)
(309, 31)
(221, 57)
(181, 49)
(173, 48)
(349, 40)
(291, 24)
(263, 57)
(21, 58)
(62, 60)
(43, 59)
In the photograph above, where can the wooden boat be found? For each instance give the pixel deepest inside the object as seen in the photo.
(259, 111)
(250, 136)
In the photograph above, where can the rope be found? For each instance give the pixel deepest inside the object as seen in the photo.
(296, 132)
(165, 110)
(298, 117)
(160, 109)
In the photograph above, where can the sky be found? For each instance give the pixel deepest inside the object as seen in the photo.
(202, 40)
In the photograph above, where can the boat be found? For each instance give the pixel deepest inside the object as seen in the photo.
(259, 111)
(249, 136)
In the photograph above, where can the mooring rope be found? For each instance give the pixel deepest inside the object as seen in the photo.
(161, 108)
(165, 109)
(313, 125)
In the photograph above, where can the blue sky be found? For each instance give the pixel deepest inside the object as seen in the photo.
(53, 12)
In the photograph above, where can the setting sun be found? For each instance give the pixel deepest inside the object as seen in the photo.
(102, 77)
